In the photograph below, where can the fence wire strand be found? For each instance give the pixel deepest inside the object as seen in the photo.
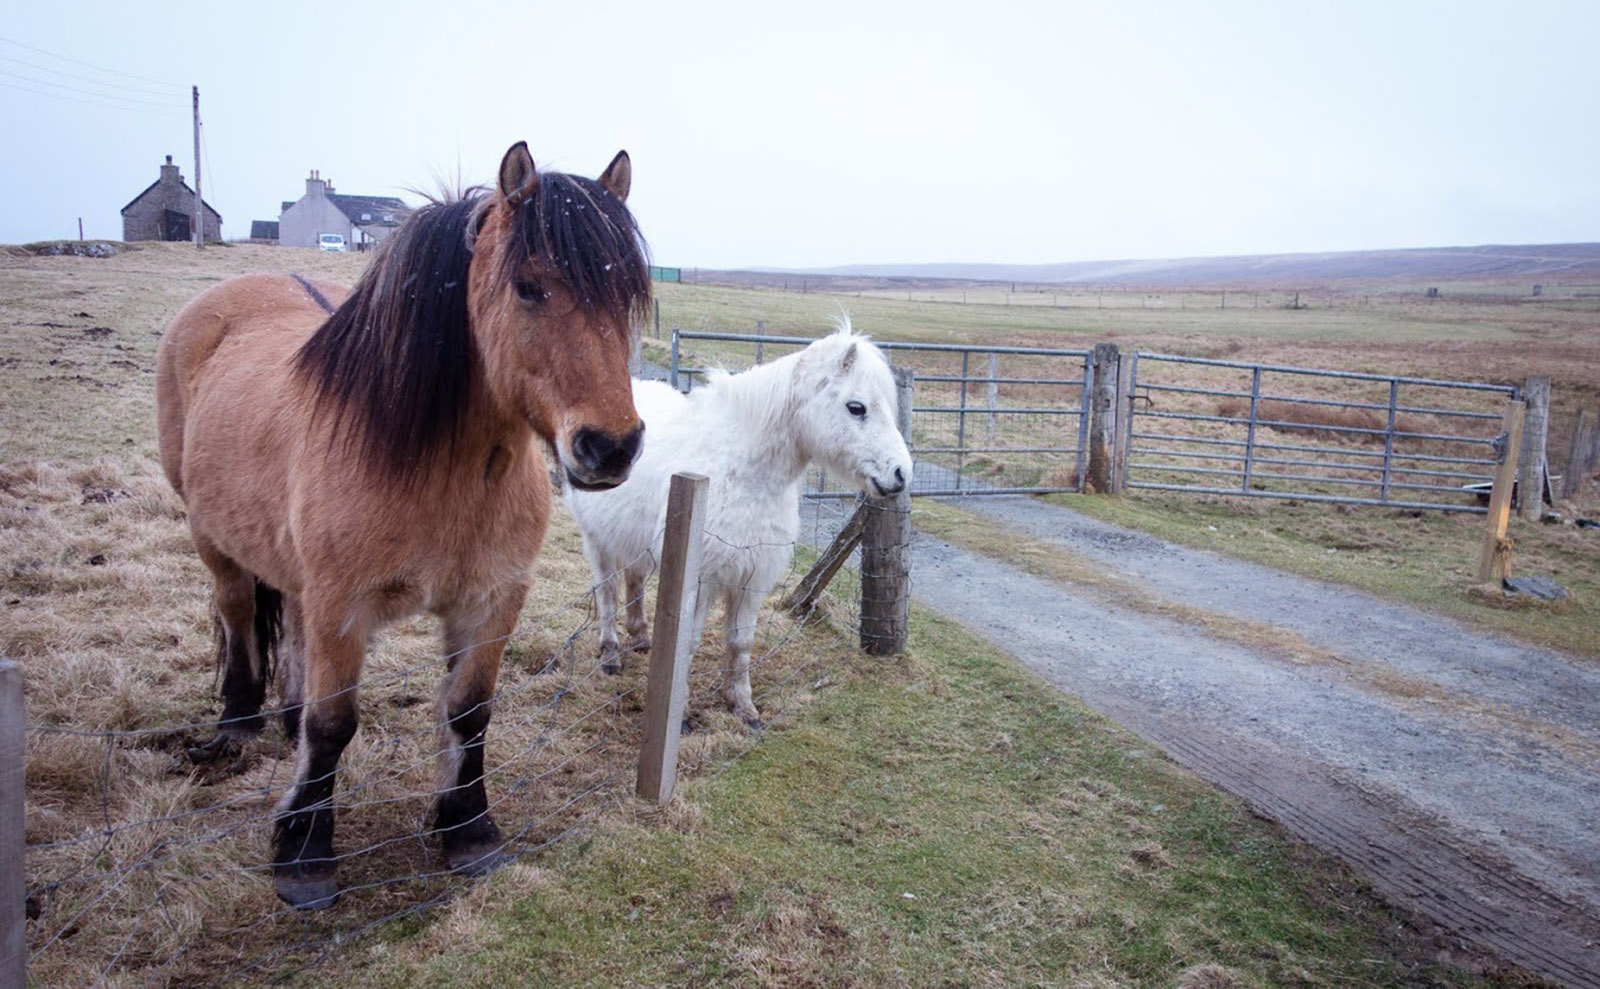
(118, 903)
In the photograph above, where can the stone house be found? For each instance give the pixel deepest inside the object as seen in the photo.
(165, 211)
(363, 221)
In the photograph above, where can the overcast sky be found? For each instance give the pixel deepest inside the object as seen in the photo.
(825, 133)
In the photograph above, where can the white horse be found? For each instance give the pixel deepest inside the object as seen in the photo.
(752, 434)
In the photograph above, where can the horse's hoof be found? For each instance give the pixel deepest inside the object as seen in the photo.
(640, 643)
(316, 892)
(220, 747)
(752, 721)
(477, 861)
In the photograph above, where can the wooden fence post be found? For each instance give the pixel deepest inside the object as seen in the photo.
(1103, 419)
(1494, 561)
(13, 842)
(886, 553)
(1532, 464)
(1578, 464)
(667, 688)
(803, 598)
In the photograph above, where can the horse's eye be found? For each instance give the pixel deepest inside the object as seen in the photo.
(530, 291)
(856, 409)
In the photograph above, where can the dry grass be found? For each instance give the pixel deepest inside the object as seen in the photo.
(143, 864)
(147, 872)
(141, 858)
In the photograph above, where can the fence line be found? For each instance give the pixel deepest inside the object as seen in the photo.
(127, 860)
(1034, 416)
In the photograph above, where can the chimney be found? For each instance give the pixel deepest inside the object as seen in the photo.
(169, 173)
(314, 185)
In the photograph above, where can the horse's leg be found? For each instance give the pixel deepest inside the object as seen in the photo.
(303, 861)
(743, 607)
(292, 667)
(246, 613)
(606, 603)
(474, 642)
(606, 579)
(637, 625)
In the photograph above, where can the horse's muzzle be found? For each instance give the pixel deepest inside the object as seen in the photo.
(894, 487)
(602, 461)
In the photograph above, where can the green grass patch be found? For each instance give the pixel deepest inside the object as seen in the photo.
(944, 819)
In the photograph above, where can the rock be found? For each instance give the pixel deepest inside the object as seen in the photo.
(1542, 588)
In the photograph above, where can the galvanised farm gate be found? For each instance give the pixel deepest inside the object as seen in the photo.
(1018, 420)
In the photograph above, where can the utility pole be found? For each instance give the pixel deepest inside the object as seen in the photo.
(199, 220)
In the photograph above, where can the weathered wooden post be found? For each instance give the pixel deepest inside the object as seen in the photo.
(1532, 464)
(886, 552)
(667, 686)
(1577, 456)
(1495, 559)
(13, 842)
(1103, 419)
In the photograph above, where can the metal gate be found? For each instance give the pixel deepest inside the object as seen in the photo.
(986, 420)
(1269, 431)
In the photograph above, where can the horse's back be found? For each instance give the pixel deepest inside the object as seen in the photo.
(260, 316)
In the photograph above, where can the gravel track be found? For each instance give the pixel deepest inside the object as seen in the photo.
(1458, 770)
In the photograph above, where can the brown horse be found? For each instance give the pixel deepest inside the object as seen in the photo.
(345, 467)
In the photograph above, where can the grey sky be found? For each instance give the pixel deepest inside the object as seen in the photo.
(841, 132)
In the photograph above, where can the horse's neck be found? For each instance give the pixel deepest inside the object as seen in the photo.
(761, 402)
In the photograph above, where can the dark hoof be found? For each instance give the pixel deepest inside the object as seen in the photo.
(221, 747)
(477, 861)
(754, 724)
(316, 892)
(639, 644)
(610, 659)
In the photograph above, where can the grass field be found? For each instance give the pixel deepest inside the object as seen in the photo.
(941, 819)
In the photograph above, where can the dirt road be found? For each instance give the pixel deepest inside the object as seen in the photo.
(1459, 771)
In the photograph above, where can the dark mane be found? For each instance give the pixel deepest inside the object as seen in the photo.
(394, 362)
(594, 239)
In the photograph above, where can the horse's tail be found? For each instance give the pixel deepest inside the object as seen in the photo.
(269, 628)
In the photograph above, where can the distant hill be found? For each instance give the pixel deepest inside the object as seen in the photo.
(1564, 262)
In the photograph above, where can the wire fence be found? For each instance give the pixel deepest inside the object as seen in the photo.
(986, 420)
(145, 870)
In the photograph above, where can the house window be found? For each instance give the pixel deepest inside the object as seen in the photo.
(366, 217)
(388, 218)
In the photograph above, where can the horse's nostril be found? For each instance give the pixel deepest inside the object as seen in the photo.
(629, 447)
(592, 448)
(597, 451)
(899, 476)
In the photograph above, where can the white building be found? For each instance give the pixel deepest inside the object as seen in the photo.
(363, 221)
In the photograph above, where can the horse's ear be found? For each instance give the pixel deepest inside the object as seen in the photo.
(848, 361)
(518, 177)
(618, 176)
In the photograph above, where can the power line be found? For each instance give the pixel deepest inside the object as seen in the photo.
(137, 88)
(74, 99)
(91, 65)
(84, 92)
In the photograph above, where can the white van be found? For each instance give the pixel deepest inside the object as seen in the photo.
(330, 242)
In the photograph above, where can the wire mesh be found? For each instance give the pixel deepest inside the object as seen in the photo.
(146, 870)
(986, 420)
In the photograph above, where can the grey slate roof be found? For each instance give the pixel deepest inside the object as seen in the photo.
(376, 208)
